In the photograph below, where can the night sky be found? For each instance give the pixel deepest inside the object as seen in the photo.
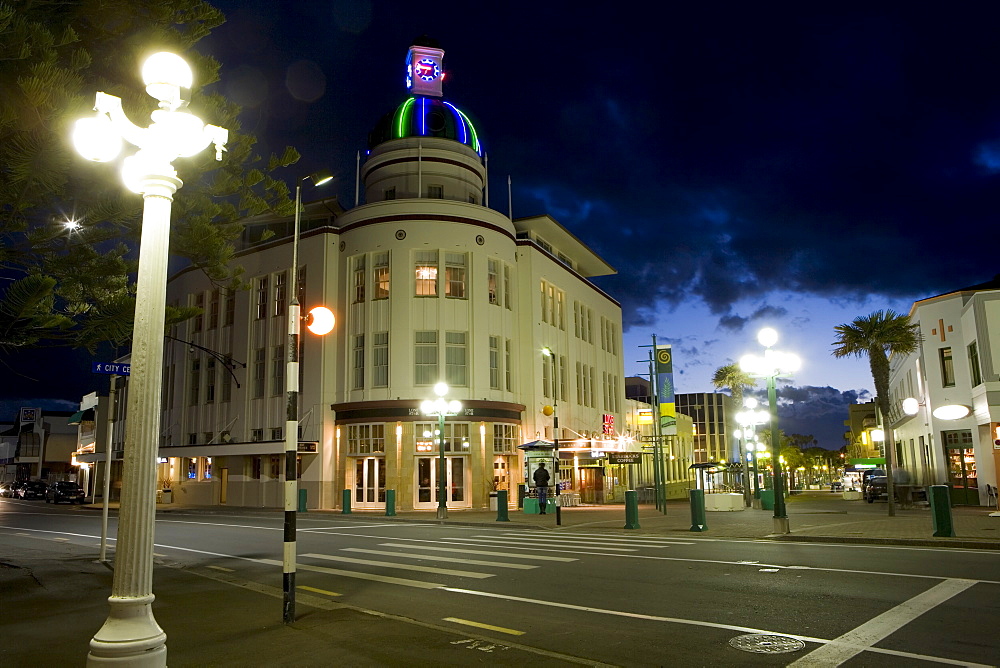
(740, 164)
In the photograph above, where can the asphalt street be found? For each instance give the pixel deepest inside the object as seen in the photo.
(579, 596)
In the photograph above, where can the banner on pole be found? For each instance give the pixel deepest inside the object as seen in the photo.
(665, 385)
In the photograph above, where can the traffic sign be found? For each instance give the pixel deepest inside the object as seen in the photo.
(111, 368)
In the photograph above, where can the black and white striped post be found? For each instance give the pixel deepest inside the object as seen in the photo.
(292, 414)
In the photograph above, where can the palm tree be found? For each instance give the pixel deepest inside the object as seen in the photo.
(733, 378)
(879, 336)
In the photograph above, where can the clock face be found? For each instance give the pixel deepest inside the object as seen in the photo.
(426, 69)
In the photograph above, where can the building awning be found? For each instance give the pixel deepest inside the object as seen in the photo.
(81, 416)
(537, 445)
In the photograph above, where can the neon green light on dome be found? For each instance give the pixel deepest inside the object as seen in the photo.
(401, 114)
(472, 128)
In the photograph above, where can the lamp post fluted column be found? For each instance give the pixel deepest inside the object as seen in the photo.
(130, 635)
(440, 408)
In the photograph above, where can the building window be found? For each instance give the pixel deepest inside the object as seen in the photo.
(213, 310)
(192, 466)
(277, 370)
(562, 378)
(259, 372)
(974, 369)
(473, 199)
(390, 193)
(947, 367)
(277, 434)
(359, 361)
(359, 279)
(492, 278)
(262, 293)
(380, 359)
(210, 381)
(426, 273)
(507, 365)
(256, 435)
(230, 316)
(255, 468)
(454, 272)
(199, 320)
(541, 294)
(505, 438)
(435, 192)
(195, 388)
(579, 383)
(506, 287)
(456, 436)
(192, 440)
(576, 319)
(546, 375)
(545, 245)
(380, 277)
(365, 439)
(495, 362)
(456, 359)
(227, 386)
(280, 294)
(425, 358)
(560, 310)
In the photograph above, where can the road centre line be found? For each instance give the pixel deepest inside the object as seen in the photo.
(480, 625)
(402, 567)
(694, 622)
(531, 542)
(857, 640)
(440, 557)
(486, 552)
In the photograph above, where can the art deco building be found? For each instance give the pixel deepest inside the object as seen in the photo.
(428, 284)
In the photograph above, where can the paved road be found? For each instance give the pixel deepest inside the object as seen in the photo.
(554, 596)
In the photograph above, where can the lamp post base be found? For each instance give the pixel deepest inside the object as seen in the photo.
(130, 636)
(442, 513)
(781, 525)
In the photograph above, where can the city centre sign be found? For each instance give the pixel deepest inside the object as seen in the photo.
(111, 368)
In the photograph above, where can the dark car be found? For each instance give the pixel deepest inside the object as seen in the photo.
(866, 478)
(64, 491)
(33, 489)
(876, 488)
(7, 489)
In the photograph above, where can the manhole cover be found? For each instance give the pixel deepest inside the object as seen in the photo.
(763, 643)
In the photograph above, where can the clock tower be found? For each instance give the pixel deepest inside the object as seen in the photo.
(425, 68)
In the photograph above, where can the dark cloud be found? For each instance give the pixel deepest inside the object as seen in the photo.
(819, 411)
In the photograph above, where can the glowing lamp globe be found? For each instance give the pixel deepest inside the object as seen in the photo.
(767, 337)
(96, 139)
(547, 411)
(320, 320)
(441, 389)
(911, 406)
(164, 74)
(951, 412)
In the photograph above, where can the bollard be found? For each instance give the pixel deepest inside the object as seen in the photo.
(346, 509)
(941, 510)
(390, 503)
(303, 497)
(631, 509)
(698, 522)
(502, 506)
(522, 491)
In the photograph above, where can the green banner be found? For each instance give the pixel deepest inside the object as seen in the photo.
(665, 386)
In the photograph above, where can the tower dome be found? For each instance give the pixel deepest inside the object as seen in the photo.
(422, 116)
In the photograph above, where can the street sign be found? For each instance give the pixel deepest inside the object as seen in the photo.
(624, 457)
(111, 368)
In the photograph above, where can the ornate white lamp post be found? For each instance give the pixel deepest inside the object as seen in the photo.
(770, 366)
(441, 408)
(131, 636)
(749, 419)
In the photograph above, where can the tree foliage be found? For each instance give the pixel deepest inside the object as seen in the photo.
(63, 287)
(735, 379)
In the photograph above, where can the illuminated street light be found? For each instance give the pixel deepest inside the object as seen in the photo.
(749, 419)
(131, 636)
(770, 366)
(320, 321)
(441, 408)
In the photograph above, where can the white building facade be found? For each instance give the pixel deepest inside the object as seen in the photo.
(428, 284)
(951, 434)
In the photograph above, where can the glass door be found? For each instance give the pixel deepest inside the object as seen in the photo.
(962, 477)
(426, 483)
(369, 482)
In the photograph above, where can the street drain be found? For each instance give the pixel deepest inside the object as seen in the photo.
(764, 643)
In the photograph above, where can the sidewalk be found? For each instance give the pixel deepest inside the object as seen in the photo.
(813, 516)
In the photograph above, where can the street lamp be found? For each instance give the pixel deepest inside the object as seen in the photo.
(551, 411)
(770, 366)
(320, 318)
(131, 635)
(441, 408)
(749, 419)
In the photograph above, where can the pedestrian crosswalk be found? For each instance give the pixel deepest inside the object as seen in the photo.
(478, 557)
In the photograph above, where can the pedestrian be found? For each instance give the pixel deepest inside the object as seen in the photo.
(901, 486)
(542, 485)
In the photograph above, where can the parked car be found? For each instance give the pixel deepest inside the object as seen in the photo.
(7, 489)
(32, 489)
(64, 491)
(866, 478)
(876, 488)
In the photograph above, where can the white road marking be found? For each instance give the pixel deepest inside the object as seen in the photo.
(513, 555)
(439, 557)
(403, 567)
(841, 649)
(637, 540)
(532, 542)
(395, 525)
(357, 575)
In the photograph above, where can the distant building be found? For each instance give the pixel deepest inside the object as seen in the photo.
(861, 422)
(37, 445)
(952, 388)
(713, 414)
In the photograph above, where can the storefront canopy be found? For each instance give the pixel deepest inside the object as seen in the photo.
(537, 445)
